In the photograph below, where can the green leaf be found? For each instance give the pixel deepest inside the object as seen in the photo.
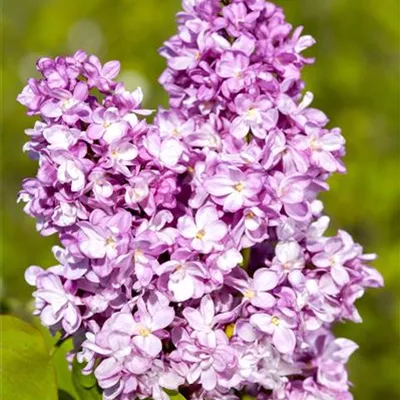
(174, 395)
(64, 375)
(246, 258)
(59, 353)
(85, 385)
(63, 395)
(26, 370)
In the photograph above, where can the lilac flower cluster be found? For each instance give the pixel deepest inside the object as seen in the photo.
(194, 257)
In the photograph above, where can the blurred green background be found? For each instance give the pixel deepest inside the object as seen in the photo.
(355, 81)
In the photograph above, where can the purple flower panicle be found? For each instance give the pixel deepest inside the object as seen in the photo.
(193, 251)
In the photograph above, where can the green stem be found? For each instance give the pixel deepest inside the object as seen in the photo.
(246, 258)
(56, 346)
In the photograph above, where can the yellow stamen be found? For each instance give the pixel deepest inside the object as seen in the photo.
(275, 321)
(110, 241)
(252, 112)
(287, 266)
(138, 253)
(68, 103)
(144, 332)
(314, 144)
(200, 234)
(250, 215)
(230, 330)
(239, 187)
(249, 294)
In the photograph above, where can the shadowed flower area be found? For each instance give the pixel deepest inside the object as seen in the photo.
(355, 81)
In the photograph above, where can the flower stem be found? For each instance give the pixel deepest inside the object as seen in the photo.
(246, 258)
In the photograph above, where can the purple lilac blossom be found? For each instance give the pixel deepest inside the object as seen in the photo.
(194, 256)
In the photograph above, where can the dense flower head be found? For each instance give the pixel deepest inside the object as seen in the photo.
(193, 251)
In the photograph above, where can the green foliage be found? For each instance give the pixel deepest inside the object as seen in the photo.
(246, 258)
(59, 349)
(64, 376)
(85, 385)
(63, 395)
(355, 81)
(173, 395)
(27, 372)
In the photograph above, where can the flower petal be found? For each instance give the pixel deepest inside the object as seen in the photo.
(284, 340)
(150, 344)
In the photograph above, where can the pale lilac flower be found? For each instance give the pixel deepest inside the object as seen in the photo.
(202, 321)
(232, 66)
(229, 259)
(61, 137)
(172, 125)
(238, 17)
(205, 231)
(31, 97)
(189, 59)
(121, 156)
(114, 343)
(68, 105)
(335, 253)
(209, 365)
(261, 364)
(65, 214)
(136, 191)
(243, 44)
(234, 189)
(101, 75)
(257, 115)
(107, 124)
(149, 322)
(331, 362)
(291, 191)
(283, 336)
(289, 260)
(158, 379)
(207, 135)
(321, 145)
(53, 303)
(129, 102)
(167, 151)
(70, 171)
(100, 186)
(194, 253)
(185, 278)
(255, 222)
(256, 290)
(300, 114)
(279, 149)
(104, 236)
